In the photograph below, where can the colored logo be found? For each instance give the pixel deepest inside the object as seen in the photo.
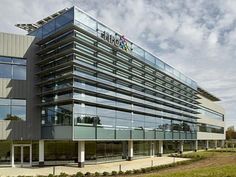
(118, 41)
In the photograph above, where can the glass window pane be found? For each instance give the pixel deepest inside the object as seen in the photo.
(4, 112)
(85, 19)
(18, 102)
(150, 57)
(5, 71)
(160, 64)
(106, 112)
(19, 61)
(5, 101)
(64, 18)
(18, 112)
(19, 72)
(5, 59)
(48, 28)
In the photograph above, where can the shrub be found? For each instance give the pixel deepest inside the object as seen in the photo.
(105, 173)
(120, 172)
(88, 174)
(128, 172)
(79, 174)
(114, 173)
(143, 170)
(63, 175)
(96, 174)
(50, 175)
(136, 171)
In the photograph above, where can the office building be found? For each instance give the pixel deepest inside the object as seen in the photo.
(75, 91)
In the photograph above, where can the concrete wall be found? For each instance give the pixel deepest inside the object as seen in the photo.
(207, 120)
(14, 45)
(210, 136)
(22, 46)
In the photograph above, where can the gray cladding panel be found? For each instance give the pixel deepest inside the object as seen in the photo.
(13, 88)
(13, 130)
(57, 132)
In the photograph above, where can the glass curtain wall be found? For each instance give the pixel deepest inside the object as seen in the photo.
(97, 152)
(141, 148)
(5, 152)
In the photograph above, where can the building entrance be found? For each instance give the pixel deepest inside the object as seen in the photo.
(22, 155)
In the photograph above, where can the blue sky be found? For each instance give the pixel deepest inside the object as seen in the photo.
(197, 37)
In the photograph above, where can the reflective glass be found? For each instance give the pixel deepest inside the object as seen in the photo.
(5, 101)
(150, 57)
(19, 72)
(18, 102)
(106, 121)
(160, 64)
(4, 112)
(49, 27)
(106, 112)
(6, 59)
(5, 71)
(84, 109)
(85, 19)
(19, 61)
(64, 18)
(18, 112)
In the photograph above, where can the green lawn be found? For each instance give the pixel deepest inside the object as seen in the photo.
(222, 171)
(216, 163)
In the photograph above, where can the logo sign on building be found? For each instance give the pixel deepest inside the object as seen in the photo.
(118, 41)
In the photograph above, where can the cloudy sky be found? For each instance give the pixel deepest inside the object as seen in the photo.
(196, 37)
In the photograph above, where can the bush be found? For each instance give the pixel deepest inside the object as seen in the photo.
(96, 174)
(114, 173)
(50, 175)
(120, 172)
(88, 174)
(143, 170)
(63, 175)
(105, 173)
(136, 171)
(79, 174)
(128, 172)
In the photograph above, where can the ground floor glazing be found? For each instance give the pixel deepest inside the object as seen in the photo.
(45, 152)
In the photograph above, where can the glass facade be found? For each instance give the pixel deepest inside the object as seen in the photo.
(12, 68)
(211, 114)
(211, 128)
(106, 93)
(12, 109)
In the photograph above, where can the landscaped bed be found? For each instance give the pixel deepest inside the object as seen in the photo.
(213, 163)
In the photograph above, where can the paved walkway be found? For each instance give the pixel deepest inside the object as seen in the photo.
(114, 166)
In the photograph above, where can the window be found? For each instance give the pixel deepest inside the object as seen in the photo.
(12, 68)
(19, 72)
(12, 109)
(5, 71)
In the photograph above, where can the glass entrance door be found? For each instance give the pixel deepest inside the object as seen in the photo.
(26, 156)
(17, 155)
(22, 155)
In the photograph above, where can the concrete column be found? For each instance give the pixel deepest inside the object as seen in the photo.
(195, 145)
(222, 143)
(207, 144)
(152, 149)
(130, 150)
(181, 147)
(12, 156)
(216, 144)
(81, 153)
(160, 148)
(41, 153)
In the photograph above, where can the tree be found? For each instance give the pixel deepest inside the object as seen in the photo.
(230, 133)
